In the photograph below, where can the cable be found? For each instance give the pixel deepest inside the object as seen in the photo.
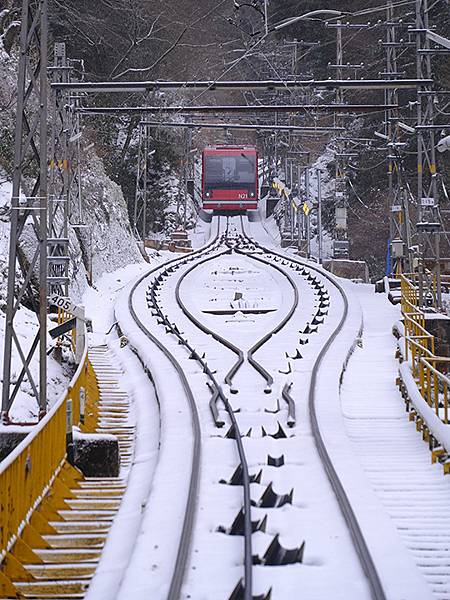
(354, 191)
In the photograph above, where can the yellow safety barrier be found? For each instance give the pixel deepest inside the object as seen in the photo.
(419, 342)
(434, 384)
(27, 474)
(429, 371)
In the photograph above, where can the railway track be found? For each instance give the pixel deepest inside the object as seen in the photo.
(241, 377)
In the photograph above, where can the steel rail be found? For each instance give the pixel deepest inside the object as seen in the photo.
(184, 547)
(255, 364)
(343, 501)
(362, 550)
(359, 541)
(191, 504)
(248, 555)
(229, 376)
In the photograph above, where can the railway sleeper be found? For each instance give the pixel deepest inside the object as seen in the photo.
(276, 555)
(239, 593)
(308, 329)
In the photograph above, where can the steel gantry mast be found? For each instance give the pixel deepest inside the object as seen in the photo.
(428, 225)
(28, 211)
(399, 213)
(59, 183)
(340, 241)
(65, 184)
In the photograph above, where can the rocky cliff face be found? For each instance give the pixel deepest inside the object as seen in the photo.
(100, 238)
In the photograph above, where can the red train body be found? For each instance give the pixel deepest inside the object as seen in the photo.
(230, 178)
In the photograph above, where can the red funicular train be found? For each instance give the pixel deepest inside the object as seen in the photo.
(230, 179)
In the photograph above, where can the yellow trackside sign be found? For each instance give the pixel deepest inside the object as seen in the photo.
(306, 208)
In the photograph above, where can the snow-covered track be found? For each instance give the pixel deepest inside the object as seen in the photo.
(341, 496)
(188, 334)
(185, 540)
(248, 555)
(240, 248)
(189, 513)
(157, 311)
(184, 543)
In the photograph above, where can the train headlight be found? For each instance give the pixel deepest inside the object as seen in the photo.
(252, 194)
(207, 194)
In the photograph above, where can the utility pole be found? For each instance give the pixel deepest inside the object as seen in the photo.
(319, 214)
(308, 223)
(186, 173)
(29, 207)
(142, 182)
(340, 241)
(76, 214)
(299, 208)
(399, 214)
(266, 16)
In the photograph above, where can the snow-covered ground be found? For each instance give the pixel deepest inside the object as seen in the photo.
(413, 492)
(330, 565)
(382, 460)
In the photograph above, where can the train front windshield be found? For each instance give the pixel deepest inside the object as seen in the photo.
(228, 172)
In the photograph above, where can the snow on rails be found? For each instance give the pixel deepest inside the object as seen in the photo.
(241, 503)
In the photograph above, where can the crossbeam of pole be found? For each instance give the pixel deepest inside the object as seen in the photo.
(428, 127)
(213, 86)
(438, 39)
(280, 108)
(244, 127)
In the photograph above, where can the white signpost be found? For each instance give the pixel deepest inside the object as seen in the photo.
(65, 304)
(77, 311)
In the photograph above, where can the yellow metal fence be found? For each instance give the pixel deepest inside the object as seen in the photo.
(429, 371)
(27, 473)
